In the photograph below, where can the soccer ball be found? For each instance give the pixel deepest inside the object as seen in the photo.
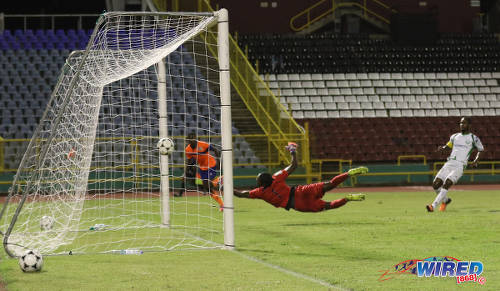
(165, 146)
(31, 261)
(47, 222)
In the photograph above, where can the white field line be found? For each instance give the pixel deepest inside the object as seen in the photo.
(292, 273)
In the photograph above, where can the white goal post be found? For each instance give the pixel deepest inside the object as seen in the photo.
(93, 166)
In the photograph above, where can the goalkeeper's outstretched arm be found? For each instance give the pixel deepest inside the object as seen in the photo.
(293, 163)
(241, 194)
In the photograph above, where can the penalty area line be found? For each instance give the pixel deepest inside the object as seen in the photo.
(292, 273)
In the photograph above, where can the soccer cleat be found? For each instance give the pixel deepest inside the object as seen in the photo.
(429, 208)
(443, 205)
(358, 171)
(355, 197)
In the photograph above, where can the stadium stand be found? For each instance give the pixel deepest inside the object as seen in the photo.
(350, 53)
(371, 100)
(317, 77)
(30, 64)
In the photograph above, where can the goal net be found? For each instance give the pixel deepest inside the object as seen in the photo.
(92, 179)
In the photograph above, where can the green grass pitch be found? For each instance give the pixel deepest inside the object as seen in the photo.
(346, 249)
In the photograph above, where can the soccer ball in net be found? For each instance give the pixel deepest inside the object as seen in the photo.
(165, 146)
(31, 261)
(46, 222)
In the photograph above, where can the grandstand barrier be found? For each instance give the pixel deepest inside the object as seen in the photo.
(406, 157)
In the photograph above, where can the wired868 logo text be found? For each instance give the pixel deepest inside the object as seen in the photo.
(462, 271)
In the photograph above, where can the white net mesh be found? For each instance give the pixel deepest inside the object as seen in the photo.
(93, 163)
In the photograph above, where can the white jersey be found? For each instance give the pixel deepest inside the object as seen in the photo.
(462, 146)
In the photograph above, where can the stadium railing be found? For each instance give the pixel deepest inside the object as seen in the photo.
(27, 19)
(324, 8)
(405, 157)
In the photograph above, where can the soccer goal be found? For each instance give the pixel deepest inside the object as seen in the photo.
(92, 179)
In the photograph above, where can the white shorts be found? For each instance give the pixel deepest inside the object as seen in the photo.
(452, 171)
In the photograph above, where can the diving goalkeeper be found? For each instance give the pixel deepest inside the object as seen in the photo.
(304, 198)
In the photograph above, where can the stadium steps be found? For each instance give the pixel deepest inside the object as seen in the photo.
(246, 124)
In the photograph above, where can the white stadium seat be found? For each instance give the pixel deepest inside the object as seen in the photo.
(305, 77)
(309, 114)
(318, 106)
(430, 112)
(327, 99)
(331, 84)
(333, 114)
(438, 105)
(369, 113)
(321, 114)
(362, 76)
(466, 112)
(394, 113)
(298, 114)
(454, 112)
(419, 112)
(342, 106)
(381, 113)
(317, 76)
(345, 114)
(357, 113)
(489, 111)
(442, 112)
(330, 105)
(327, 76)
(306, 106)
(477, 112)
(282, 77)
(338, 99)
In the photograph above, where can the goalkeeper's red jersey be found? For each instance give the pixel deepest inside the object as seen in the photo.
(277, 194)
(203, 158)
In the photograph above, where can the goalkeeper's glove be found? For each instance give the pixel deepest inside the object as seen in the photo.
(291, 147)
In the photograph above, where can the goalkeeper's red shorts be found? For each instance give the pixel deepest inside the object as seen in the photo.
(308, 198)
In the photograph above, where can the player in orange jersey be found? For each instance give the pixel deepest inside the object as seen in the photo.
(198, 153)
(304, 198)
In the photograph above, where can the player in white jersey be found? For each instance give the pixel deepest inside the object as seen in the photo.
(462, 144)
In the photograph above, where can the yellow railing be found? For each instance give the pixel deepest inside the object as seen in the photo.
(318, 172)
(322, 10)
(272, 117)
(406, 157)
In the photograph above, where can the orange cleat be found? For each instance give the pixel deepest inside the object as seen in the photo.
(429, 208)
(443, 205)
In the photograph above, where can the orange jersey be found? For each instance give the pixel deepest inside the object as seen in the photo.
(203, 158)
